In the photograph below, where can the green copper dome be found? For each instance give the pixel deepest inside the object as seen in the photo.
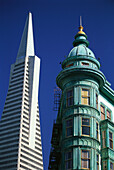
(81, 55)
(81, 45)
(81, 50)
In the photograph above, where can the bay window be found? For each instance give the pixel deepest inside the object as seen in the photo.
(86, 126)
(69, 99)
(68, 160)
(85, 159)
(85, 96)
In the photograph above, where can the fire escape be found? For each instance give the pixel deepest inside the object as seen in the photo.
(55, 153)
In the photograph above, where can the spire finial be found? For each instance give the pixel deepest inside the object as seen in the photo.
(27, 42)
(80, 20)
(81, 37)
(81, 27)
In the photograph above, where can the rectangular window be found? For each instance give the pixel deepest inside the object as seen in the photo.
(103, 139)
(96, 100)
(85, 64)
(110, 140)
(97, 162)
(69, 127)
(85, 126)
(69, 101)
(68, 160)
(85, 159)
(104, 165)
(111, 166)
(97, 130)
(70, 65)
(102, 113)
(108, 114)
(85, 96)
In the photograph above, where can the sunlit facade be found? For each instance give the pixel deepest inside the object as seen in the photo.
(20, 137)
(83, 133)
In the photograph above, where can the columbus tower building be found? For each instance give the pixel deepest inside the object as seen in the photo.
(83, 133)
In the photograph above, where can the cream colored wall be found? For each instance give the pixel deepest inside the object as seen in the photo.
(106, 103)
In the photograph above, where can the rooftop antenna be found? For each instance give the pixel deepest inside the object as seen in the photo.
(80, 20)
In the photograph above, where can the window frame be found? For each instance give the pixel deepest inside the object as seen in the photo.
(110, 140)
(69, 159)
(112, 165)
(102, 113)
(97, 131)
(85, 126)
(68, 127)
(70, 97)
(108, 117)
(97, 100)
(104, 139)
(83, 63)
(97, 161)
(87, 97)
(85, 159)
(104, 165)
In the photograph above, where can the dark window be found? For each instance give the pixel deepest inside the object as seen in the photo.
(69, 98)
(68, 160)
(97, 130)
(110, 140)
(97, 162)
(70, 65)
(96, 100)
(111, 166)
(85, 126)
(69, 127)
(85, 64)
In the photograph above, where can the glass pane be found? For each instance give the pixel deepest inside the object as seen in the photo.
(69, 131)
(69, 123)
(110, 135)
(85, 121)
(111, 166)
(85, 130)
(85, 154)
(85, 163)
(70, 101)
(85, 92)
(97, 97)
(69, 93)
(68, 164)
(108, 114)
(97, 158)
(97, 126)
(97, 134)
(111, 144)
(68, 155)
(102, 109)
(102, 116)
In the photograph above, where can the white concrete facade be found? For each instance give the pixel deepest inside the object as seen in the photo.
(20, 136)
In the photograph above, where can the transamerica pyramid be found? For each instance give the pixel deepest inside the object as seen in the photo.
(20, 137)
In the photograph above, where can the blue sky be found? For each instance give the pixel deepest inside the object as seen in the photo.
(55, 24)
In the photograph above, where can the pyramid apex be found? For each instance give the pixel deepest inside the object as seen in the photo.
(27, 41)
